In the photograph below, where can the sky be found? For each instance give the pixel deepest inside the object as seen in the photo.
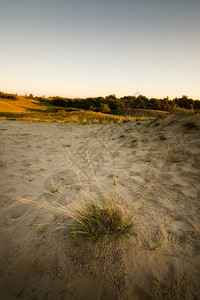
(82, 48)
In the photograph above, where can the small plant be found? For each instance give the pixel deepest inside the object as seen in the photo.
(148, 159)
(75, 241)
(53, 191)
(157, 245)
(42, 229)
(115, 181)
(162, 136)
(55, 217)
(141, 207)
(173, 159)
(134, 140)
(89, 273)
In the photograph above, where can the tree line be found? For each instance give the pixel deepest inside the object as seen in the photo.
(111, 103)
(8, 96)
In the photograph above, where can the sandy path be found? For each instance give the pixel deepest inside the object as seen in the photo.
(36, 158)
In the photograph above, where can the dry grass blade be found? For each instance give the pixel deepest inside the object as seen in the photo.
(153, 180)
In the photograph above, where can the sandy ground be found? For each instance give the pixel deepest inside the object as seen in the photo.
(43, 263)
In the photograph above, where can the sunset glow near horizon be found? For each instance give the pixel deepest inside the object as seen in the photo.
(96, 48)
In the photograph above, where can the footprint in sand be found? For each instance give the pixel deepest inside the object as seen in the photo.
(29, 162)
(179, 180)
(136, 177)
(91, 288)
(63, 187)
(17, 211)
(136, 293)
(179, 227)
(190, 192)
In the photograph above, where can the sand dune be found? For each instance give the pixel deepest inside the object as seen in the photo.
(38, 158)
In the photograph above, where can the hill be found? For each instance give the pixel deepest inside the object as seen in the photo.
(23, 109)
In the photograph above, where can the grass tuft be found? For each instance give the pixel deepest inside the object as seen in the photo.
(101, 217)
(157, 245)
(42, 229)
(53, 191)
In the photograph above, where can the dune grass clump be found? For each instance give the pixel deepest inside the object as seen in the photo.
(100, 218)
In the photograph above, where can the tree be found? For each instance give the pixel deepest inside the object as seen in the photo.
(104, 108)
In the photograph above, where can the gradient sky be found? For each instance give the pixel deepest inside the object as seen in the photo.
(82, 48)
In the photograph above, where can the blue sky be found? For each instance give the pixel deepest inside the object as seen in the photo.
(82, 48)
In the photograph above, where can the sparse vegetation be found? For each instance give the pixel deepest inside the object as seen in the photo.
(115, 181)
(53, 191)
(162, 136)
(107, 215)
(41, 229)
(174, 159)
(148, 159)
(134, 140)
(157, 245)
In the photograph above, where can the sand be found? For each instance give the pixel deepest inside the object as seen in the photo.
(38, 259)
